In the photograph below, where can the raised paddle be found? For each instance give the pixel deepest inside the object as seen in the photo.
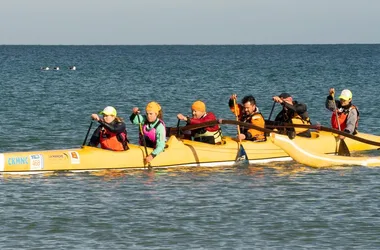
(342, 149)
(241, 157)
(178, 127)
(88, 131)
(143, 139)
(271, 111)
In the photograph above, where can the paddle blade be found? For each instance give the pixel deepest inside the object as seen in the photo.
(343, 149)
(241, 158)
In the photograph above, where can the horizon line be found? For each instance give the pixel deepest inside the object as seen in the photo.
(200, 44)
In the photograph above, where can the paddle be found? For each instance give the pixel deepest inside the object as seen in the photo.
(178, 127)
(322, 128)
(271, 111)
(143, 139)
(343, 149)
(176, 130)
(241, 157)
(88, 132)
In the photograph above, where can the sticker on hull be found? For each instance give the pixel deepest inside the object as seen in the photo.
(74, 156)
(36, 162)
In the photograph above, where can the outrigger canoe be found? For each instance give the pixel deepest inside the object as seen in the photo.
(178, 153)
(307, 155)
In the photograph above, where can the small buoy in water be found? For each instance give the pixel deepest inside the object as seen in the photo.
(73, 68)
(44, 68)
(56, 68)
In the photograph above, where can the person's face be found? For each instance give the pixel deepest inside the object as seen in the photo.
(248, 108)
(197, 114)
(108, 118)
(344, 102)
(151, 116)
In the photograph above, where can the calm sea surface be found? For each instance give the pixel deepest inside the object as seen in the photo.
(274, 206)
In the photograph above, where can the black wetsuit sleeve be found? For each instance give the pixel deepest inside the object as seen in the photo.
(299, 108)
(95, 138)
(132, 117)
(231, 103)
(114, 127)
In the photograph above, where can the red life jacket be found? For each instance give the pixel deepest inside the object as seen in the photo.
(342, 118)
(113, 141)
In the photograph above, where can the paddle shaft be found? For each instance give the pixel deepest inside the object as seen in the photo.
(343, 149)
(177, 130)
(271, 111)
(237, 119)
(88, 132)
(142, 136)
(336, 113)
(178, 127)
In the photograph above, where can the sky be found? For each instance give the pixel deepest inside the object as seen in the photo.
(146, 22)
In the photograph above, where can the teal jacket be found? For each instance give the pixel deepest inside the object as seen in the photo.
(160, 131)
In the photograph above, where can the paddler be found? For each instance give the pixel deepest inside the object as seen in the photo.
(111, 133)
(210, 134)
(153, 130)
(346, 117)
(248, 112)
(292, 112)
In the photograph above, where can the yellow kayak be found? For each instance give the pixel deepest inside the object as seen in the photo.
(178, 153)
(309, 154)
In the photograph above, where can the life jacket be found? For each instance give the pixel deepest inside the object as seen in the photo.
(150, 135)
(211, 137)
(297, 119)
(257, 134)
(113, 141)
(342, 118)
(292, 117)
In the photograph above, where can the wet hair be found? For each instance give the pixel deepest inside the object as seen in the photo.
(160, 115)
(119, 119)
(248, 98)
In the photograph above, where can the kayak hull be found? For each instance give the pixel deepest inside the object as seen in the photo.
(178, 153)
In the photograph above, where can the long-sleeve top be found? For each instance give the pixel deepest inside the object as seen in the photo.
(209, 116)
(160, 131)
(352, 117)
(289, 111)
(113, 127)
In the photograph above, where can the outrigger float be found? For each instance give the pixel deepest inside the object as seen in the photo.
(307, 155)
(178, 153)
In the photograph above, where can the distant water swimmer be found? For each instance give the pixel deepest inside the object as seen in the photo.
(45, 68)
(73, 68)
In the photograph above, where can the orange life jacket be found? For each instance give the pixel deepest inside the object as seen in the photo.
(342, 118)
(113, 141)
